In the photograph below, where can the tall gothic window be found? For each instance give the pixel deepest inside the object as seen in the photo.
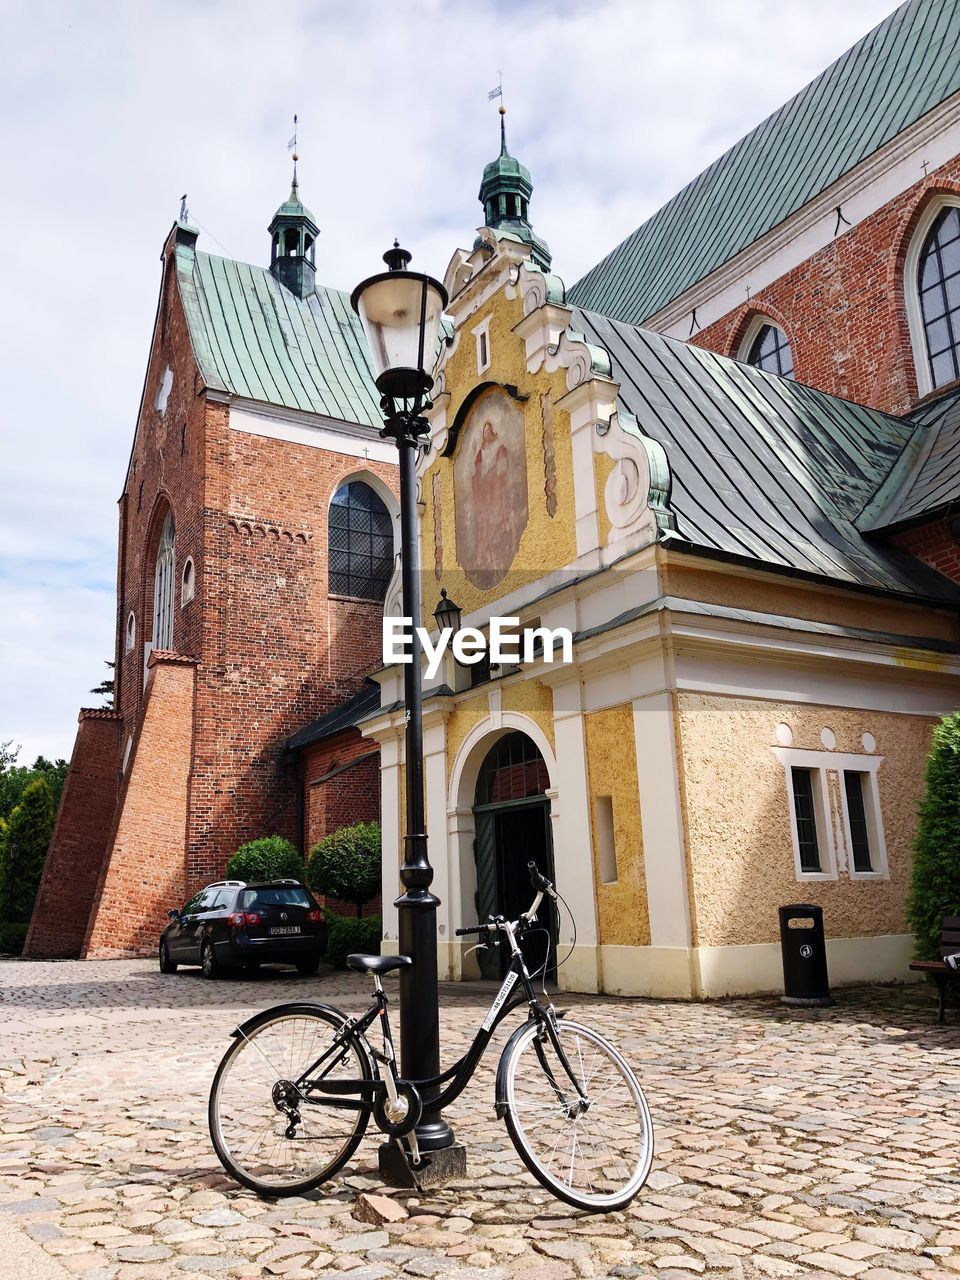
(938, 283)
(771, 351)
(163, 588)
(361, 543)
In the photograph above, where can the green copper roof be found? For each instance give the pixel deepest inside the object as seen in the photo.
(505, 193)
(256, 339)
(293, 207)
(884, 84)
(763, 469)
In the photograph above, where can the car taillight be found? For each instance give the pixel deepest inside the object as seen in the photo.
(252, 918)
(236, 919)
(313, 916)
(240, 918)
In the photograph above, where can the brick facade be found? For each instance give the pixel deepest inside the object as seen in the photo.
(340, 777)
(272, 648)
(81, 838)
(935, 543)
(844, 308)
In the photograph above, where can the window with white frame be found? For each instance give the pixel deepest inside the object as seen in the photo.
(836, 823)
(931, 288)
(482, 335)
(767, 347)
(163, 588)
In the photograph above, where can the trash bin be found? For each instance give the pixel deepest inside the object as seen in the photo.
(804, 951)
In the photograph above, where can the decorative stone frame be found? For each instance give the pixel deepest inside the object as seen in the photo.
(760, 320)
(911, 293)
(836, 861)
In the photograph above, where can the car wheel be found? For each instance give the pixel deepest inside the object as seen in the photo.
(308, 965)
(208, 961)
(166, 964)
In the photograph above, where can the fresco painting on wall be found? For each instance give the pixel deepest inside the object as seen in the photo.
(490, 488)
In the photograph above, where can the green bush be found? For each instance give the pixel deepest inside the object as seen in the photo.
(25, 844)
(270, 858)
(346, 864)
(346, 934)
(12, 937)
(935, 882)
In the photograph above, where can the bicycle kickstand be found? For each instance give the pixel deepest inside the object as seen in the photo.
(412, 1157)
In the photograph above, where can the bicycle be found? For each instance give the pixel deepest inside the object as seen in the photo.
(294, 1093)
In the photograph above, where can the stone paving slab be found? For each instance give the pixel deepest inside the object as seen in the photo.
(811, 1143)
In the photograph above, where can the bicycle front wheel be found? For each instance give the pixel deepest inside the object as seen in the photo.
(593, 1151)
(255, 1099)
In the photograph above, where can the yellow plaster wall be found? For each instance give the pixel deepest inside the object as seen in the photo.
(683, 576)
(533, 699)
(612, 762)
(548, 542)
(603, 464)
(736, 815)
(529, 698)
(464, 717)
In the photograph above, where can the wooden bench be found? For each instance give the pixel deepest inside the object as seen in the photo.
(939, 970)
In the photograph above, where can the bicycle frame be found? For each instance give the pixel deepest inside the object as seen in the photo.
(362, 1095)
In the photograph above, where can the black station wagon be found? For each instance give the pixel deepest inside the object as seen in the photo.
(233, 925)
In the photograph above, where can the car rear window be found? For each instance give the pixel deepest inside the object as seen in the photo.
(282, 896)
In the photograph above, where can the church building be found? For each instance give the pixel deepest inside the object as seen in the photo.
(726, 460)
(258, 533)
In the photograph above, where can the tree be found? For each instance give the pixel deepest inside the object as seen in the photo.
(105, 687)
(270, 858)
(346, 864)
(14, 778)
(25, 844)
(935, 881)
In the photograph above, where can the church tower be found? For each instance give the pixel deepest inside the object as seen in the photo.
(505, 193)
(293, 238)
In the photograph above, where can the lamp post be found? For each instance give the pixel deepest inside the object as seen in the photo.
(400, 311)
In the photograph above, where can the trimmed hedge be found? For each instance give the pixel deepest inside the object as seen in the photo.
(935, 879)
(13, 934)
(269, 858)
(346, 935)
(346, 864)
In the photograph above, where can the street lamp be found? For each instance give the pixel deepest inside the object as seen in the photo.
(400, 311)
(447, 615)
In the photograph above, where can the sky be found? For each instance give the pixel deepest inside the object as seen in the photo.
(109, 112)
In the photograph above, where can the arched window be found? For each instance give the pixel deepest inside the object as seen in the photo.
(131, 630)
(770, 350)
(360, 543)
(163, 587)
(186, 582)
(513, 769)
(938, 285)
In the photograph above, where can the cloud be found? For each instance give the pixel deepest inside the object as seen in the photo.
(111, 111)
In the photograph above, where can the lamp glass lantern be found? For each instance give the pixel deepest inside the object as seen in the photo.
(447, 614)
(400, 311)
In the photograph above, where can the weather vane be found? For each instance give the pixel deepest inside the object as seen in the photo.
(292, 146)
(498, 93)
(184, 211)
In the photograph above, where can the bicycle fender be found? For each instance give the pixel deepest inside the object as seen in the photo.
(500, 1098)
(294, 1006)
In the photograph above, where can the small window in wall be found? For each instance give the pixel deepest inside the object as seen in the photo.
(163, 391)
(771, 352)
(805, 817)
(938, 283)
(131, 631)
(606, 841)
(857, 788)
(186, 582)
(482, 336)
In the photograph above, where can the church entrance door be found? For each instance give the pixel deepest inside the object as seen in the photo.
(513, 828)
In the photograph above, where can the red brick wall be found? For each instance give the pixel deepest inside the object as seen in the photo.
(80, 840)
(145, 873)
(933, 543)
(844, 310)
(351, 795)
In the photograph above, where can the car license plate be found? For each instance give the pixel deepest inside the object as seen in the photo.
(285, 928)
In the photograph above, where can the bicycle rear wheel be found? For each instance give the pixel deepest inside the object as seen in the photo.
(254, 1093)
(594, 1154)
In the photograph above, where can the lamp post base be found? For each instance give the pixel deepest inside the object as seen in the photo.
(438, 1167)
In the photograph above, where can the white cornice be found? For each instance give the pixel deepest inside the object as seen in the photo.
(860, 193)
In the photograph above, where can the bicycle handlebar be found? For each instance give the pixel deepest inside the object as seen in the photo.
(492, 927)
(476, 929)
(540, 881)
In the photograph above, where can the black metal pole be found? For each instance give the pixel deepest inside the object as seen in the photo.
(419, 996)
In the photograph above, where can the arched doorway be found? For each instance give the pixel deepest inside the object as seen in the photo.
(512, 815)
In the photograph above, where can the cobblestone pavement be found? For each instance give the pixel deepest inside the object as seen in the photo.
(814, 1143)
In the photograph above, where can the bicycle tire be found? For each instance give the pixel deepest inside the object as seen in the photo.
(278, 1045)
(616, 1145)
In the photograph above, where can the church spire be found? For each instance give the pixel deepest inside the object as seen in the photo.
(293, 237)
(505, 193)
